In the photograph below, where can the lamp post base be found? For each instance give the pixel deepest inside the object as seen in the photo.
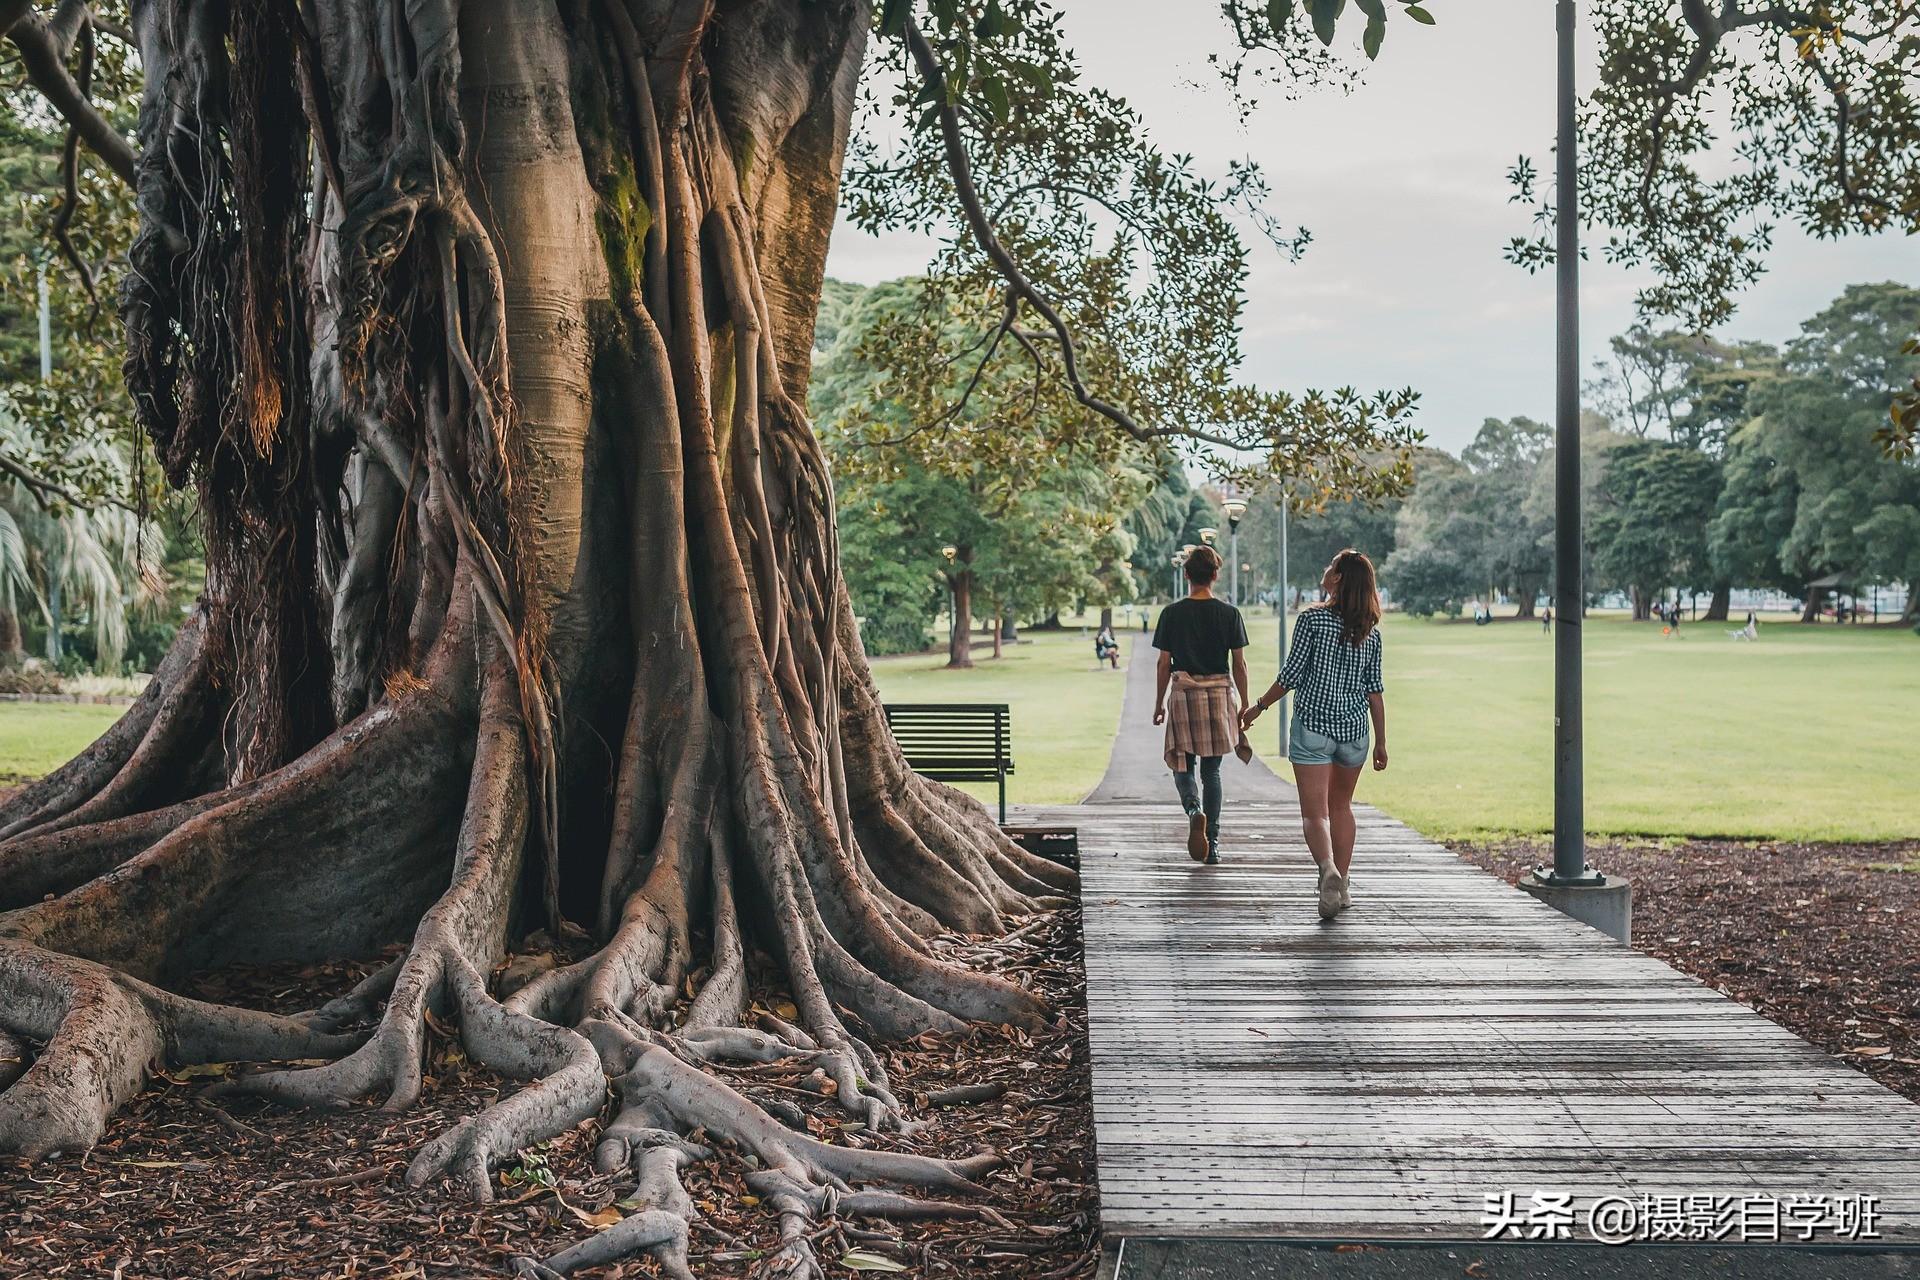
(1592, 899)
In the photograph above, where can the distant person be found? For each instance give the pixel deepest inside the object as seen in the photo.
(1334, 668)
(1546, 621)
(1201, 639)
(1106, 648)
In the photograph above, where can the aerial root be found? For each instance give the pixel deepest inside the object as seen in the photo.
(567, 1088)
(102, 1032)
(662, 1092)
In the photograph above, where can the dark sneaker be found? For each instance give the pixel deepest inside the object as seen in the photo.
(1197, 836)
(1213, 855)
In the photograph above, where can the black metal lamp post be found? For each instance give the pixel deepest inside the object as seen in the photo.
(1569, 816)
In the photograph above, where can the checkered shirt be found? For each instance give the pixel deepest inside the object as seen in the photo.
(1330, 679)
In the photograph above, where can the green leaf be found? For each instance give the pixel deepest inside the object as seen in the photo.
(893, 18)
(991, 23)
(1375, 9)
(1036, 75)
(994, 90)
(1418, 14)
(1279, 14)
(859, 1260)
(1326, 13)
(1376, 32)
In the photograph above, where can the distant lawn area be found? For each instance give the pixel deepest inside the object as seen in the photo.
(1065, 708)
(1806, 734)
(36, 737)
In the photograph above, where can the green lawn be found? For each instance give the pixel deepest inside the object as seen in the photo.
(1805, 734)
(1065, 708)
(37, 736)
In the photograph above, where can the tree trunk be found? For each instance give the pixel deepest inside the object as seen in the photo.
(1721, 604)
(1911, 614)
(1009, 630)
(1642, 604)
(960, 634)
(999, 631)
(13, 642)
(56, 624)
(1106, 617)
(493, 400)
(1811, 611)
(1523, 603)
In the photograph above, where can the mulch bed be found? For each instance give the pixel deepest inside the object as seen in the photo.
(184, 1185)
(1824, 939)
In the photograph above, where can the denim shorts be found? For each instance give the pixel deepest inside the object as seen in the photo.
(1304, 746)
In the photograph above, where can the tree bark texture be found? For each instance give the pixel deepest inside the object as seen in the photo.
(485, 337)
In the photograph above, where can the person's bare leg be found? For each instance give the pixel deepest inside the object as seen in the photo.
(1312, 780)
(1340, 814)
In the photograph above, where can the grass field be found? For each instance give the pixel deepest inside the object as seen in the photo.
(1065, 709)
(36, 736)
(1806, 734)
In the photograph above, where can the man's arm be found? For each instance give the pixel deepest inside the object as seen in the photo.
(1163, 675)
(1240, 675)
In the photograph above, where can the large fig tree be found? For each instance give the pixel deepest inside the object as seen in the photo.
(482, 330)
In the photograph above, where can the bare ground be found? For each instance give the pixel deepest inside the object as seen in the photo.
(1824, 939)
(191, 1182)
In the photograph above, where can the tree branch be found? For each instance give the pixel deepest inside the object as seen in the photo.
(45, 491)
(42, 57)
(1019, 284)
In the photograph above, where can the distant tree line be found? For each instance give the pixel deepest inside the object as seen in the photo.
(1710, 466)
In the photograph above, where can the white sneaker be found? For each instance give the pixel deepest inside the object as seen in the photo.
(1331, 885)
(1346, 883)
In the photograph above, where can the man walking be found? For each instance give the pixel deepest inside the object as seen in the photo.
(1201, 640)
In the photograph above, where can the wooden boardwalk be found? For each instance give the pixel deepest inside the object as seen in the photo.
(1259, 1072)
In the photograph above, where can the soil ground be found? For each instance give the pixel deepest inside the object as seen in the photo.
(1822, 938)
(190, 1182)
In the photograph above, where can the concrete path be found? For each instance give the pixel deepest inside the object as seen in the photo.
(1136, 771)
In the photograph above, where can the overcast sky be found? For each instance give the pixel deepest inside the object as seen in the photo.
(1403, 185)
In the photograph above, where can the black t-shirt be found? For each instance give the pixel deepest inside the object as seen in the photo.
(1198, 633)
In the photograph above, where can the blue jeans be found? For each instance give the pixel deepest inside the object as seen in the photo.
(1191, 797)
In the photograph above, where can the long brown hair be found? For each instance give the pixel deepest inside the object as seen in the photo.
(1357, 598)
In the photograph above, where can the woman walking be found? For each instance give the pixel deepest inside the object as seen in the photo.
(1334, 669)
(1200, 640)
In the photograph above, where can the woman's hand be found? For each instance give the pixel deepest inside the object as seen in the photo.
(1379, 756)
(1248, 715)
(1160, 715)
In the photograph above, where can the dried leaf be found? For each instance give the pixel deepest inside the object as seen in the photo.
(860, 1260)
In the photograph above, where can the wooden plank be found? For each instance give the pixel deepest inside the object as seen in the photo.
(1257, 1071)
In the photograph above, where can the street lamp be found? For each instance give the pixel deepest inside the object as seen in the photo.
(1179, 560)
(1208, 535)
(1571, 885)
(1280, 608)
(1235, 507)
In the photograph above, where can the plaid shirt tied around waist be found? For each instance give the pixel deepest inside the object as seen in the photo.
(1202, 720)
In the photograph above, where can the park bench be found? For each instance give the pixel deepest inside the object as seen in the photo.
(956, 741)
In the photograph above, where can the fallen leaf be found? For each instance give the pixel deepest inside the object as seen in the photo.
(1869, 1050)
(859, 1260)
